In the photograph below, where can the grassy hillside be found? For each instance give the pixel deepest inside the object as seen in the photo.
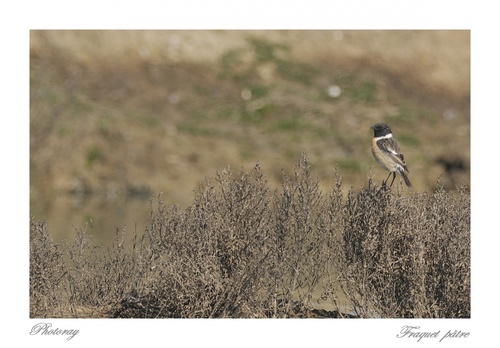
(136, 113)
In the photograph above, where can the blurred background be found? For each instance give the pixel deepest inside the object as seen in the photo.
(120, 116)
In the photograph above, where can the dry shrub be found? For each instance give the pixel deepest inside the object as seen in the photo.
(211, 260)
(47, 270)
(405, 255)
(98, 277)
(241, 250)
(299, 241)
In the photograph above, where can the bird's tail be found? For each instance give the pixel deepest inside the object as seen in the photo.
(405, 177)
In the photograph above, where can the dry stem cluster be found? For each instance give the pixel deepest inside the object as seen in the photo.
(241, 250)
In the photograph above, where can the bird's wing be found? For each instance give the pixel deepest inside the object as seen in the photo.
(390, 147)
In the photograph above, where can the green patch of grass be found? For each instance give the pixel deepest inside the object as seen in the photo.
(345, 79)
(105, 124)
(408, 139)
(279, 54)
(194, 128)
(259, 91)
(286, 124)
(80, 104)
(349, 165)
(366, 92)
(136, 117)
(230, 59)
(148, 121)
(260, 114)
(94, 154)
(300, 72)
(266, 51)
(410, 115)
(318, 132)
(226, 113)
(63, 131)
(253, 118)
(52, 97)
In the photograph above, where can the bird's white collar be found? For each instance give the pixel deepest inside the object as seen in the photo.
(387, 136)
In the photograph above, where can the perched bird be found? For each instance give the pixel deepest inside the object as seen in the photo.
(387, 153)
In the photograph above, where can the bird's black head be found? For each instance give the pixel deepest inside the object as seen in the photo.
(380, 129)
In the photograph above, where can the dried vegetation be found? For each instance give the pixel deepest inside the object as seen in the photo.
(242, 250)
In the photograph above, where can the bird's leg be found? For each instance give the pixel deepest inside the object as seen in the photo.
(393, 177)
(385, 181)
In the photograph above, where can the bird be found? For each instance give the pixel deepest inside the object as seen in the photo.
(386, 151)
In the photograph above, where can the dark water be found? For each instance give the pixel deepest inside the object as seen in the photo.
(65, 213)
